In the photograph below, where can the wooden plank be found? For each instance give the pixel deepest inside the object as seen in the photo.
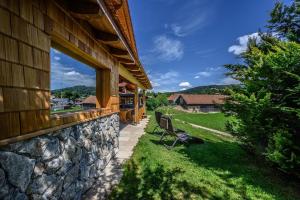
(31, 79)
(45, 80)
(18, 75)
(32, 32)
(43, 119)
(12, 5)
(85, 8)
(11, 49)
(106, 37)
(2, 48)
(46, 61)
(9, 125)
(26, 10)
(44, 41)
(125, 61)
(5, 74)
(136, 105)
(38, 18)
(25, 52)
(117, 52)
(37, 58)
(19, 28)
(1, 101)
(5, 22)
(15, 99)
(28, 122)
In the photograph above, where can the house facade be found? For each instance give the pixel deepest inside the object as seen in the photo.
(60, 156)
(200, 102)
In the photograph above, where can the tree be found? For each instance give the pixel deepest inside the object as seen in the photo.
(285, 20)
(266, 108)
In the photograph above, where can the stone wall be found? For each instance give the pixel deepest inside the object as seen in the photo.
(61, 165)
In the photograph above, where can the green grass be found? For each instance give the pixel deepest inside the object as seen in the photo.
(217, 169)
(210, 120)
(73, 109)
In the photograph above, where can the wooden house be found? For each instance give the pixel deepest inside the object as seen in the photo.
(97, 33)
(200, 102)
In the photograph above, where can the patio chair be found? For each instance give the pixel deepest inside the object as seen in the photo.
(179, 135)
(158, 116)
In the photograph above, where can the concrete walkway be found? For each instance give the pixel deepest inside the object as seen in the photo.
(112, 174)
(208, 129)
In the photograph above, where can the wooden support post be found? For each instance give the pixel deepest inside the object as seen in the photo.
(144, 101)
(103, 88)
(136, 105)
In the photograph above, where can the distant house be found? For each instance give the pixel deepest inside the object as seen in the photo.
(200, 102)
(172, 99)
(89, 103)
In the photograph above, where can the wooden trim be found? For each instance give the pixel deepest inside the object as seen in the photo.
(46, 131)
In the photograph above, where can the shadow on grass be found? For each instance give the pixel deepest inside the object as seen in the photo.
(156, 183)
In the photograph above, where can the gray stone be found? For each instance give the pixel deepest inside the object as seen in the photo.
(39, 168)
(17, 195)
(55, 164)
(51, 149)
(34, 147)
(18, 169)
(41, 184)
(2, 178)
(71, 176)
(4, 191)
(64, 134)
(65, 168)
(54, 191)
(69, 193)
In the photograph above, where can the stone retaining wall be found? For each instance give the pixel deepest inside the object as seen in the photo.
(61, 165)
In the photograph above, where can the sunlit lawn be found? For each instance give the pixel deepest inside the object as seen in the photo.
(73, 109)
(217, 169)
(210, 120)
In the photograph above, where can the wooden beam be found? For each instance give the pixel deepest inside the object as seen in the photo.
(125, 61)
(84, 7)
(117, 52)
(106, 37)
(103, 85)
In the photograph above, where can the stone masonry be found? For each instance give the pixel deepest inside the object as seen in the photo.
(60, 165)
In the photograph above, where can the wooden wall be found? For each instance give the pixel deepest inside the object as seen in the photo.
(28, 29)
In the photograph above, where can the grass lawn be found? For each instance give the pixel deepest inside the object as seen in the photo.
(217, 169)
(73, 109)
(209, 120)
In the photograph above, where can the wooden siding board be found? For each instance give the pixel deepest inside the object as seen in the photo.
(25, 52)
(5, 22)
(9, 125)
(11, 49)
(5, 74)
(15, 99)
(26, 10)
(1, 101)
(38, 18)
(31, 78)
(19, 28)
(18, 75)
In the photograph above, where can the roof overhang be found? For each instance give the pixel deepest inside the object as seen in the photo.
(105, 29)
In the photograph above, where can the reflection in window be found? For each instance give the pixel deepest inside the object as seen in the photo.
(72, 84)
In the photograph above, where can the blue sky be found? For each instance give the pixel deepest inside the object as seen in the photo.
(184, 44)
(181, 43)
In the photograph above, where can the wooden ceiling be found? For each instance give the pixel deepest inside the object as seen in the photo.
(110, 24)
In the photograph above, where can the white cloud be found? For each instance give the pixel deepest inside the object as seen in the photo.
(229, 81)
(56, 58)
(242, 46)
(164, 82)
(168, 49)
(196, 77)
(65, 76)
(182, 89)
(204, 73)
(185, 84)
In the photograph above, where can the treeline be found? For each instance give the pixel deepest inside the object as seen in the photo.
(74, 92)
(209, 89)
(266, 109)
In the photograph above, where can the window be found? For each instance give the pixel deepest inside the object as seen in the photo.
(72, 84)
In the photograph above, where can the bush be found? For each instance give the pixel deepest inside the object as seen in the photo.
(266, 108)
(156, 100)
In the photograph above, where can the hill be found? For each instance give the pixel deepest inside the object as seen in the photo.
(81, 90)
(208, 89)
